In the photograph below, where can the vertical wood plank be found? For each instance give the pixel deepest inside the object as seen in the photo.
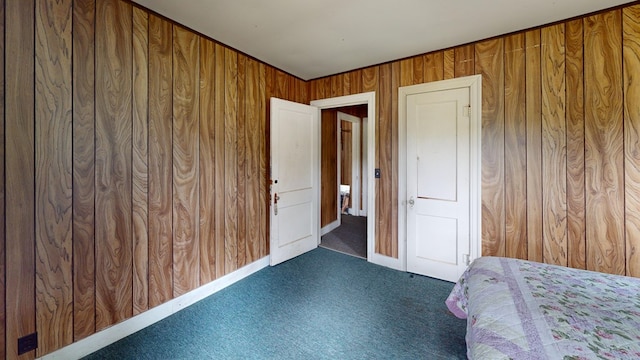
(554, 147)
(266, 79)
(19, 173)
(395, 83)
(356, 81)
(490, 63)
(253, 179)
(603, 131)
(84, 299)
(114, 296)
(160, 161)
(242, 158)
(631, 53)
(219, 141)
(464, 60)
(53, 176)
(515, 140)
(434, 66)
(186, 257)
(281, 85)
(406, 72)
(418, 69)
(207, 162)
(449, 64)
(328, 166)
(3, 261)
(576, 243)
(534, 144)
(384, 184)
(346, 83)
(231, 161)
(140, 188)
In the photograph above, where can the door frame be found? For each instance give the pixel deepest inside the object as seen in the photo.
(369, 99)
(354, 201)
(474, 83)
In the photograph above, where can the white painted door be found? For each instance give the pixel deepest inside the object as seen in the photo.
(438, 183)
(295, 164)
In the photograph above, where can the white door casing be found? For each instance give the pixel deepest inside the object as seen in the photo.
(295, 179)
(440, 176)
(365, 168)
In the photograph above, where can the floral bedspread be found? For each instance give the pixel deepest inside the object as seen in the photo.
(518, 309)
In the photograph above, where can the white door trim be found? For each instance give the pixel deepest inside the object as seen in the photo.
(474, 83)
(368, 98)
(354, 200)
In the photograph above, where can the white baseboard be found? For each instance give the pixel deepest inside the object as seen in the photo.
(329, 228)
(121, 330)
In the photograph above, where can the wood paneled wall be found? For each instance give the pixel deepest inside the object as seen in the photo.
(135, 161)
(560, 138)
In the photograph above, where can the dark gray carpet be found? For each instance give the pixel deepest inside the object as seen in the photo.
(320, 305)
(349, 238)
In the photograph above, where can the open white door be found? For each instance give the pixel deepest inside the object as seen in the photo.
(295, 164)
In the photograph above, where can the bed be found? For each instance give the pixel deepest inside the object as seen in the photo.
(518, 309)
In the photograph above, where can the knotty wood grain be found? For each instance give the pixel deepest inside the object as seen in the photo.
(515, 140)
(140, 167)
(253, 178)
(231, 160)
(449, 64)
(534, 144)
(160, 162)
(241, 121)
(384, 160)
(113, 162)
(186, 257)
(489, 62)
(576, 243)
(464, 60)
(604, 162)
(631, 55)
(554, 146)
(434, 66)
(84, 298)
(19, 173)
(395, 83)
(207, 162)
(263, 97)
(54, 288)
(219, 141)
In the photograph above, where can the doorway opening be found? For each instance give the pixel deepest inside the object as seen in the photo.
(344, 180)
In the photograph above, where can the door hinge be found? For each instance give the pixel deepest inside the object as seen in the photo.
(467, 110)
(466, 259)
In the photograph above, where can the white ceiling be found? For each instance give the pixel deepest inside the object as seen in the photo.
(312, 39)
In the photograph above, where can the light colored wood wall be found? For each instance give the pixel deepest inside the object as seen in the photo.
(135, 161)
(559, 174)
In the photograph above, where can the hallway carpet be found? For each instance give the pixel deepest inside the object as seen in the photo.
(320, 305)
(349, 238)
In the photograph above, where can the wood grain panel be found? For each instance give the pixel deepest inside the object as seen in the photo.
(576, 243)
(219, 141)
(336, 85)
(346, 158)
(345, 79)
(603, 131)
(231, 161)
(242, 157)
(160, 162)
(263, 96)
(84, 299)
(534, 144)
(515, 140)
(253, 179)
(464, 60)
(54, 277)
(384, 184)
(186, 241)
(356, 81)
(434, 66)
(418, 69)
(19, 173)
(395, 84)
(328, 167)
(3, 262)
(449, 64)
(207, 162)
(114, 71)
(140, 161)
(281, 85)
(554, 146)
(406, 72)
(490, 63)
(631, 54)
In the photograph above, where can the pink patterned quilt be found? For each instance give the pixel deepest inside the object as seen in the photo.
(518, 309)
